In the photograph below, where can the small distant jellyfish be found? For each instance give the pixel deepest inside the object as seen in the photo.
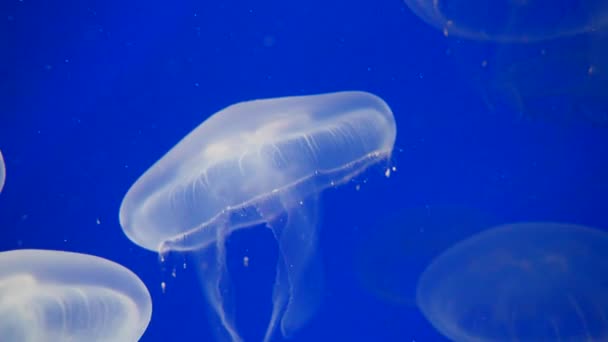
(532, 282)
(259, 162)
(61, 296)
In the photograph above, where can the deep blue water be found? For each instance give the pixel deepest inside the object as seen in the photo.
(94, 92)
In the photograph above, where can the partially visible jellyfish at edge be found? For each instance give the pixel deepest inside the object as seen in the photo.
(2, 171)
(259, 162)
(62, 296)
(511, 20)
(536, 281)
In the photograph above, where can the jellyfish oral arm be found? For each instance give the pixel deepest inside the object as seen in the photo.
(299, 278)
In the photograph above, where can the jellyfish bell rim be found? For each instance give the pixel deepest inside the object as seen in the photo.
(188, 241)
(131, 203)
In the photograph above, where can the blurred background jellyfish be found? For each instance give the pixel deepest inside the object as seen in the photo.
(520, 282)
(563, 81)
(259, 162)
(536, 60)
(60, 296)
(397, 248)
(2, 171)
(512, 20)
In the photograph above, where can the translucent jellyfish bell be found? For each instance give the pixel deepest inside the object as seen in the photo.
(259, 162)
(520, 282)
(2, 171)
(61, 296)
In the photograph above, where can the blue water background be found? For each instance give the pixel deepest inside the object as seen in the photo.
(94, 92)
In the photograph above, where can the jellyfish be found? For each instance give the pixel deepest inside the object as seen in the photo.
(2, 171)
(535, 281)
(511, 20)
(563, 82)
(50, 295)
(398, 247)
(262, 162)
